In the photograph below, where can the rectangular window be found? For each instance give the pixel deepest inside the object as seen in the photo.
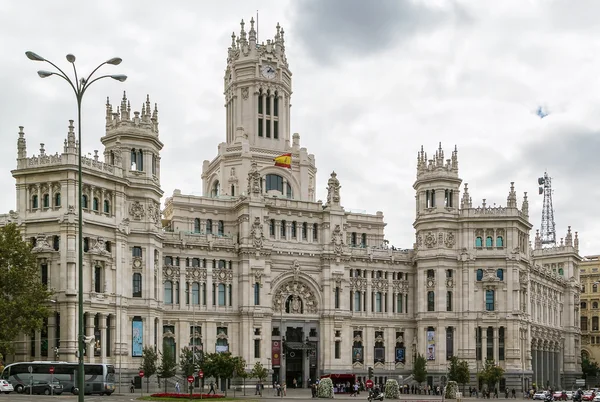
(449, 343)
(378, 302)
(257, 294)
(137, 251)
(98, 282)
(221, 294)
(268, 128)
(276, 106)
(357, 299)
(430, 301)
(268, 105)
(44, 274)
(338, 350)
(478, 343)
(276, 129)
(260, 127)
(489, 300)
(257, 348)
(489, 352)
(448, 301)
(137, 285)
(399, 303)
(337, 297)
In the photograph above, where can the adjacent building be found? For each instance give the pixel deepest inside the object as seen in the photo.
(260, 267)
(590, 329)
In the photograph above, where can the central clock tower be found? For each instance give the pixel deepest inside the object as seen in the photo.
(257, 88)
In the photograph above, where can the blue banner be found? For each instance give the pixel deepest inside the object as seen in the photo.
(137, 340)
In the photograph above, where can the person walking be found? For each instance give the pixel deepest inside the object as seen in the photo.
(212, 388)
(177, 387)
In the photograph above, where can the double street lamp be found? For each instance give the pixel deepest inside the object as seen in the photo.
(79, 86)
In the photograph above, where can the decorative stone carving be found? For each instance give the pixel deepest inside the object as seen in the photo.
(42, 243)
(333, 190)
(489, 275)
(430, 283)
(136, 210)
(257, 233)
(223, 275)
(358, 283)
(449, 241)
(295, 289)
(430, 240)
(254, 180)
(137, 262)
(222, 335)
(357, 338)
(99, 247)
(296, 270)
(245, 93)
(154, 212)
(170, 273)
(337, 240)
(419, 241)
(379, 338)
(195, 274)
(450, 283)
(379, 284)
(400, 339)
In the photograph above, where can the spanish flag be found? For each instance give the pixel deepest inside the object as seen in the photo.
(284, 160)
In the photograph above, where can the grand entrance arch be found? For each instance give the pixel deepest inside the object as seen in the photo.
(295, 329)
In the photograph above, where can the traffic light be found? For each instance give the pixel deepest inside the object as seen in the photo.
(370, 372)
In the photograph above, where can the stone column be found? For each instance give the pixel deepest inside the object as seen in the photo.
(89, 331)
(111, 347)
(102, 329)
(51, 335)
(272, 114)
(534, 365)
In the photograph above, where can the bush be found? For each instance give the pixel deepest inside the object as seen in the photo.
(325, 388)
(392, 390)
(451, 390)
(187, 396)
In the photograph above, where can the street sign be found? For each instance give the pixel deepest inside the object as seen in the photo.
(191, 379)
(201, 374)
(141, 373)
(369, 383)
(51, 370)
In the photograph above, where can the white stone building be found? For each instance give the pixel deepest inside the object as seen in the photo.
(259, 267)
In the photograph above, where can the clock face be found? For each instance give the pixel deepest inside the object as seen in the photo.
(268, 72)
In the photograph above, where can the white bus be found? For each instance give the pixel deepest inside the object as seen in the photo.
(99, 378)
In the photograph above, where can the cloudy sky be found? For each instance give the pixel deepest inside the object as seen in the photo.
(373, 81)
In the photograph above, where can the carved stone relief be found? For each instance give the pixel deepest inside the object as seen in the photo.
(430, 240)
(136, 210)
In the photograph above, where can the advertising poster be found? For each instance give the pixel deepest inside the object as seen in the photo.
(138, 338)
(357, 354)
(430, 345)
(276, 353)
(400, 355)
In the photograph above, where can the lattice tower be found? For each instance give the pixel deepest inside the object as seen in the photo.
(548, 230)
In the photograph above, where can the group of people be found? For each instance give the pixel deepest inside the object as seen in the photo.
(487, 393)
(211, 388)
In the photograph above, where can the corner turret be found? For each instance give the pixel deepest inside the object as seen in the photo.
(21, 145)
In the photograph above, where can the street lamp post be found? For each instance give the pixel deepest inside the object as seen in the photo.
(79, 86)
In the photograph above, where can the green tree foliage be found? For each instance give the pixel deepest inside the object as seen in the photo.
(23, 298)
(589, 369)
(223, 365)
(259, 372)
(167, 366)
(459, 371)
(491, 374)
(420, 369)
(149, 361)
(188, 362)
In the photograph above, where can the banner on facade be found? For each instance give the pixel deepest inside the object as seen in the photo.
(138, 338)
(357, 354)
(380, 354)
(400, 355)
(430, 345)
(276, 353)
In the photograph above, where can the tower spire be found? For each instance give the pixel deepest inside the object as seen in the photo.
(548, 229)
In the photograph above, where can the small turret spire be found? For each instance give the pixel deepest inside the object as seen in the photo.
(71, 137)
(525, 205)
(465, 202)
(242, 33)
(252, 33)
(569, 237)
(21, 144)
(576, 242)
(538, 240)
(511, 200)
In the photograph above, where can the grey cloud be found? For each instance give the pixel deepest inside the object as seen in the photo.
(363, 28)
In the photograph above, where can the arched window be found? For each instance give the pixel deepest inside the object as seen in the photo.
(283, 229)
(57, 200)
(222, 264)
(106, 207)
(294, 229)
(489, 242)
(478, 242)
(168, 292)
(216, 189)
(583, 305)
(34, 202)
(220, 228)
(195, 293)
(137, 284)
(363, 240)
(95, 204)
(274, 182)
(257, 294)
(133, 159)
(209, 226)
(84, 201)
(499, 241)
(595, 288)
(561, 271)
(479, 274)
(197, 225)
(585, 355)
(500, 274)
(430, 301)
(111, 159)
(489, 300)
(315, 232)
(288, 189)
(221, 294)
(46, 201)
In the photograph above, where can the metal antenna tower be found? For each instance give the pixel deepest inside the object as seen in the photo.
(548, 232)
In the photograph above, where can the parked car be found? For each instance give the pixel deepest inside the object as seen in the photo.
(6, 387)
(540, 395)
(560, 395)
(44, 387)
(588, 396)
(570, 395)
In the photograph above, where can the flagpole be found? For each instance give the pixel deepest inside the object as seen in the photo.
(257, 41)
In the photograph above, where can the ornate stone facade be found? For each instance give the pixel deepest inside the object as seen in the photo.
(257, 263)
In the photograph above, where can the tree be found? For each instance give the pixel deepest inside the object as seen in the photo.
(491, 374)
(459, 371)
(589, 369)
(24, 298)
(149, 360)
(167, 366)
(188, 362)
(259, 372)
(420, 369)
(223, 365)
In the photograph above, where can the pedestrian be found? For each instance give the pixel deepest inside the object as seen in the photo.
(177, 387)
(514, 393)
(212, 388)
(132, 387)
